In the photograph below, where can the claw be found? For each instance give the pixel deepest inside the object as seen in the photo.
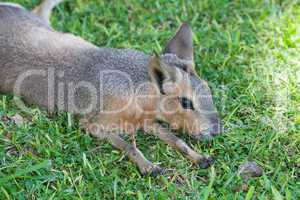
(206, 162)
(154, 171)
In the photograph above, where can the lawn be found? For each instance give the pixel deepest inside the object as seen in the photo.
(248, 50)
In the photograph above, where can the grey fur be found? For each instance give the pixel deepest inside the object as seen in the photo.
(27, 43)
(11, 5)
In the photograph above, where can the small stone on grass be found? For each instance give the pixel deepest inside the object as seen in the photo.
(250, 169)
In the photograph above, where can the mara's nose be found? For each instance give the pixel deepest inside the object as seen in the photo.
(214, 129)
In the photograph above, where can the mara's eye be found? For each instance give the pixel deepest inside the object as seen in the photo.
(186, 103)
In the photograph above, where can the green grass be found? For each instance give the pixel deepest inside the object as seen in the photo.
(249, 50)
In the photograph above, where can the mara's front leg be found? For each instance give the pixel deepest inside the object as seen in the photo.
(180, 145)
(135, 155)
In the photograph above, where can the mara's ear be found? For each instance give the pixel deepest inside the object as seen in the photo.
(161, 73)
(182, 43)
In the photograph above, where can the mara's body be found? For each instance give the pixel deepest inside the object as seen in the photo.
(49, 65)
(113, 90)
(27, 43)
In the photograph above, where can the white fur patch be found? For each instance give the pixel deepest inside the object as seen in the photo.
(11, 5)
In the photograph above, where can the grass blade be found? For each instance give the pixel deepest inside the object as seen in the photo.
(250, 193)
(211, 182)
(276, 194)
(20, 173)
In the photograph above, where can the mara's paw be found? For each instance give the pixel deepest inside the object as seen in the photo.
(153, 170)
(205, 162)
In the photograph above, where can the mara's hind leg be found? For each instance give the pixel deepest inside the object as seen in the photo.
(45, 8)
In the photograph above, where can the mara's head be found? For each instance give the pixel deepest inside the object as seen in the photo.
(186, 102)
